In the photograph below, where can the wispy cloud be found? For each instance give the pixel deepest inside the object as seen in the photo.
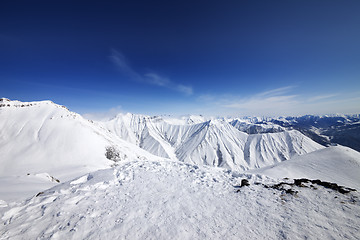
(321, 97)
(281, 101)
(123, 66)
(271, 102)
(185, 89)
(276, 91)
(155, 79)
(152, 78)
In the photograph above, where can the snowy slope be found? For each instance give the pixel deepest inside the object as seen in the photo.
(143, 131)
(253, 126)
(324, 129)
(268, 148)
(334, 164)
(213, 142)
(42, 142)
(173, 200)
(150, 197)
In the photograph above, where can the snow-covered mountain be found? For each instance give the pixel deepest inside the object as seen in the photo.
(141, 177)
(334, 164)
(213, 142)
(255, 126)
(326, 130)
(188, 119)
(43, 143)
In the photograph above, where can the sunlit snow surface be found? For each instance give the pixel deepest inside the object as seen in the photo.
(214, 142)
(46, 139)
(334, 164)
(150, 197)
(42, 140)
(173, 200)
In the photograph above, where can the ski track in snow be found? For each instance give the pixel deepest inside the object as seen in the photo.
(173, 200)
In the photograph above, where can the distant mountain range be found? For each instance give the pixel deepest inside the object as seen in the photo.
(232, 143)
(326, 130)
(213, 142)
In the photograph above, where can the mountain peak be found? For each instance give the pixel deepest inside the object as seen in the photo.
(5, 100)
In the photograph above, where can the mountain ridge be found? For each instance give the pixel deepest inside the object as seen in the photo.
(45, 139)
(213, 142)
(216, 182)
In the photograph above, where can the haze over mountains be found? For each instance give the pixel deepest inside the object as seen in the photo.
(43, 144)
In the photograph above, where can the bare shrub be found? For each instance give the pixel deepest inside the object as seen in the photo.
(112, 153)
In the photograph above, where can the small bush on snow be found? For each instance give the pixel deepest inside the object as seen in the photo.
(112, 153)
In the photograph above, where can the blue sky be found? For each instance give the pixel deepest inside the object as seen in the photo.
(263, 58)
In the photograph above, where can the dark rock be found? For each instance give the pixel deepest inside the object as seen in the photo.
(39, 194)
(299, 182)
(244, 182)
(333, 186)
(290, 191)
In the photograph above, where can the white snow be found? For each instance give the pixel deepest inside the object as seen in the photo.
(184, 120)
(173, 200)
(214, 142)
(171, 179)
(334, 164)
(244, 124)
(45, 138)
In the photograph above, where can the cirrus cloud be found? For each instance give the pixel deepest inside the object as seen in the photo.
(284, 101)
(152, 78)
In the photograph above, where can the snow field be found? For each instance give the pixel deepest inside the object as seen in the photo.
(173, 200)
(336, 164)
(144, 196)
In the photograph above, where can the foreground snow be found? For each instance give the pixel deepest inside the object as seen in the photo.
(174, 200)
(147, 196)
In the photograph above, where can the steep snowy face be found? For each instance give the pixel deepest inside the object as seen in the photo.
(214, 142)
(45, 138)
(143, 131)
(33, 133)
(266, 149)
(127, 126)
(211, 143)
